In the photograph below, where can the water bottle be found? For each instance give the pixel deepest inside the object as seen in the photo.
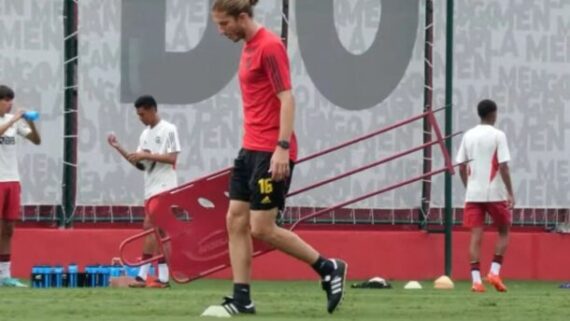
(132, 271)
(37, 276)
(58, 276)
(31, 115)
(47, 275)
(116, 271)
(72, 275)
(104, 274)
(90, 275)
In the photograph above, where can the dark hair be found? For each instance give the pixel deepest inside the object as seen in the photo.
(146, 101)
(485, 108)
(6, 93)
(235, 7)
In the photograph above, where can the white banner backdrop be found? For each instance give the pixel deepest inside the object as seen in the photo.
(356, 66)
(518, 54)
(31, 63)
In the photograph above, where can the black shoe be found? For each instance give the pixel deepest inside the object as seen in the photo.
(233, 307)
(333, 284)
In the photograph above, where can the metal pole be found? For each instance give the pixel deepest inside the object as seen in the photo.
(285, 22)
(448, 130)
(428, 101)
(70, 115)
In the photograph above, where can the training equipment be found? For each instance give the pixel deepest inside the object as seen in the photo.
(217, 311)
(228, 308)
(443, 283)
(190, 220)
(413, 285)
(373, 283)
(31, 115)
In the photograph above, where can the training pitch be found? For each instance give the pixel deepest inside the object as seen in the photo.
(290, 301)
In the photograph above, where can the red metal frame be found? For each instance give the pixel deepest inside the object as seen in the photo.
(206, 185)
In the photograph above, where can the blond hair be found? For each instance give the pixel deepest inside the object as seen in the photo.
(235, 7)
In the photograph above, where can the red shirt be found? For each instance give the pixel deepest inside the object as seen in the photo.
(263, 73)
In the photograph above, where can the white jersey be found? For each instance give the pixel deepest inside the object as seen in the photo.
(161, 139)
(486, 147)
(8, 148)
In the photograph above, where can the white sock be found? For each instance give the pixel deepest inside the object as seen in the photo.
(143, 271)
(476, 276)
(5, 270)
(163, 272)
(495, 268)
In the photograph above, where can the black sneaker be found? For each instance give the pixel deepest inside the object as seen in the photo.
(233, 307)
(333, 284)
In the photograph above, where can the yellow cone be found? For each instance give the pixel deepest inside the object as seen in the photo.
(443, 283)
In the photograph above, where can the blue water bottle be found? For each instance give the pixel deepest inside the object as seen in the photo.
(91, 271)
(47, 275)
(37, 276)
(72, 277)
(31, 115)
(132, 271)
(104, 274)
(117, 271)
(58, 276)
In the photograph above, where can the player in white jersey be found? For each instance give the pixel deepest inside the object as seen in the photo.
(11, 126)
(156, 155)
(489, 190)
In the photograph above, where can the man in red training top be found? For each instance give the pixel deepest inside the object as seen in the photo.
(262, 171)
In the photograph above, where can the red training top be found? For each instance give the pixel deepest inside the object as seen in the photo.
(263, 73)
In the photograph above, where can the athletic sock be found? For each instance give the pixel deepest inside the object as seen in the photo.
(144, 269)
(242, 293)
(163, 271)
(496, 265)
(5, 266)
(323, 266)
(475, 272)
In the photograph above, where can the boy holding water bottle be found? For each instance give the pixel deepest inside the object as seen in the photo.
(11, 126)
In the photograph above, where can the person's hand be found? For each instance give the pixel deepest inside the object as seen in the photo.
(112, 140)
(137, 157)
(19, 114)
(511, 201)
(279, 167)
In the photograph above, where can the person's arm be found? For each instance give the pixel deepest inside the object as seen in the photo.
(17, 116)
(276, 66)
(462, 158)
(34, 135)
(169, 158)
(168, 153)
(114, 142)
(463, 173)
(506, 176)
(504, 156)
(280, 159)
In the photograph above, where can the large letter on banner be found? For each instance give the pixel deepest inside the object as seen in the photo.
(174, 78)
(351, 81)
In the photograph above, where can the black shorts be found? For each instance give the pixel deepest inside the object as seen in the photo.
(251, 181)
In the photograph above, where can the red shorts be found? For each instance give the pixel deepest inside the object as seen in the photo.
(150, 207)
(474, 214)
(10, 201)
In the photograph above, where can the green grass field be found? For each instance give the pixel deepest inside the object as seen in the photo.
(290, 301)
